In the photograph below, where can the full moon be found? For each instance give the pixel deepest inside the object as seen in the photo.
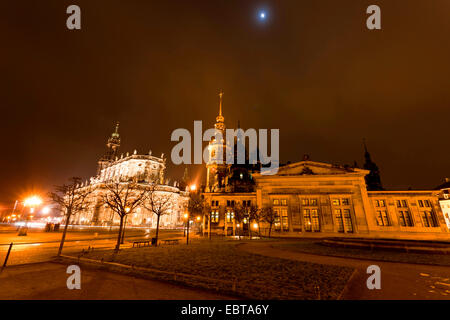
(262, 15)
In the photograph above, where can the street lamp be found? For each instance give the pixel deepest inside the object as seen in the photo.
(188, 222)
(31, 202)
(45, 210)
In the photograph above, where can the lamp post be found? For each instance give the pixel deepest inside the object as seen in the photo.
(186, 216)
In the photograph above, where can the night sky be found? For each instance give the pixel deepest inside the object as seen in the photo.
(311, 69)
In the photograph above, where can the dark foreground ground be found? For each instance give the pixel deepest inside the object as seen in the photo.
(258, 269)
(43, 281)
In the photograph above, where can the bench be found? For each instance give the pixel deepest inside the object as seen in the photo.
(171, 241)
(144, 243)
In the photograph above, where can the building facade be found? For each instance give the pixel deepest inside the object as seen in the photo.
(319, 199)
(143, 171)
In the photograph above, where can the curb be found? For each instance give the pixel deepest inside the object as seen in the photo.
(345, 290)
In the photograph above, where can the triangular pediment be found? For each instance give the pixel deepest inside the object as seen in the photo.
(315, 168)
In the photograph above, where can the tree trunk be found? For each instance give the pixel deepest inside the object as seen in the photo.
(69, 213)
(157, 229)
(270, 229)
(209, 223)
(120, 235)
(123, 231)
(187, 232)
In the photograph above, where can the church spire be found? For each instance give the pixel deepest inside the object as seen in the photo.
(220, 120)
(112, 148)
(373, 179)
(220, 102)
(116, 132)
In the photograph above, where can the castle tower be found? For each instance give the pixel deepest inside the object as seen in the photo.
(373, 179)
(216, 168)
(112, 148)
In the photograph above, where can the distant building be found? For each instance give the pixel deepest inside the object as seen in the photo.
(318, 198)
(140, 169)
(444, 200)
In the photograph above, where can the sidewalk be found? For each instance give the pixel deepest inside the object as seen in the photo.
(47, 281)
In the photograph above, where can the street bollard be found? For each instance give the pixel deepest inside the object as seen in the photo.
(7, 256)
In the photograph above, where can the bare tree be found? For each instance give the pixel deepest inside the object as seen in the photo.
(240, 213)
(269, 215)
(254, 214)
(208, 212)
(159, 202)
(196, 206)
(71, 199)
(123, 198)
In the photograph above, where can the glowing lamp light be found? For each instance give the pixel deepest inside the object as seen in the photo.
(185, 215)
(198, 218)
(127, 209)
(255, 225)
(193, 187)
(33, 201)
(45, 210)
(238, 225)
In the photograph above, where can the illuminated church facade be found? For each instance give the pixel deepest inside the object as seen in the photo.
(142, 170)
(318, 199)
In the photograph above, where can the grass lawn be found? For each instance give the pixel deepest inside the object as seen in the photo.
(314, 246)
(254, 276)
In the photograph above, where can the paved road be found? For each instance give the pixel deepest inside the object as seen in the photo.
(398, 280)
(47, 281)
(41, 246)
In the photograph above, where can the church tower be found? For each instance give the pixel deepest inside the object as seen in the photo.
(217, 169)
(373, 180)
(112, 148)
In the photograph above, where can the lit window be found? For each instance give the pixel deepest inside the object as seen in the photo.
(276, 202)
(382, 218)
(215, 216)
(429, 219)
(345, 202)
(284, 220)
(402, 204)
(311, 220)
(283, 202)
(405, 219)
(230, 216)
(336, 202)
